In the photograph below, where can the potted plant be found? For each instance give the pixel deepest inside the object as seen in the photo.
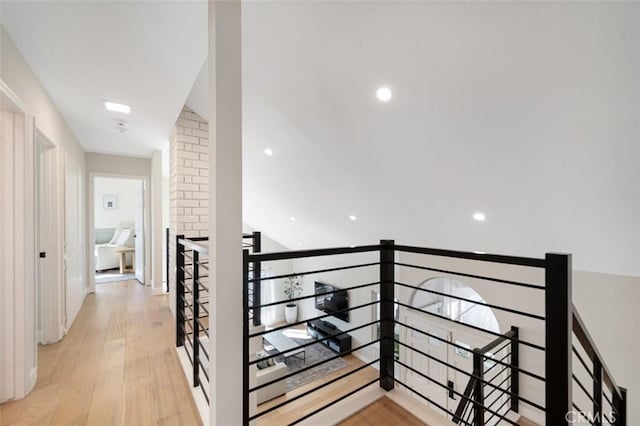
(292, 288)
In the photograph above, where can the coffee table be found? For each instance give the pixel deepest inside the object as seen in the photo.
(123, 259)
(282, 343)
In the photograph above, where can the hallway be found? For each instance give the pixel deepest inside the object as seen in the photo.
(116, 366)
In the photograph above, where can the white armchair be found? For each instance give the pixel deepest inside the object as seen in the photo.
(106, 255)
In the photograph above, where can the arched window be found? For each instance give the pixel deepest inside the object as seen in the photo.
(462, 311)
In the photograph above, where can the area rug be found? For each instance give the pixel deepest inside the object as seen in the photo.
(313, 354)
(112, 276)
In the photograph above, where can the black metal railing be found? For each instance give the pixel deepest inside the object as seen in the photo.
(192, 301)
(495, 366)
(253, 243)
(604, 400)
(192, 306)
(493, 393)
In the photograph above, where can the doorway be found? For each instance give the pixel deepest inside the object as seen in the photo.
(450, 348)
(18, 371)
(119, 229)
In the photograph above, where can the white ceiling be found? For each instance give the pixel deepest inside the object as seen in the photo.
(142, 53)
(528, 112)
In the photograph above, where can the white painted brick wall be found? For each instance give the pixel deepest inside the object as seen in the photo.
(188, 181)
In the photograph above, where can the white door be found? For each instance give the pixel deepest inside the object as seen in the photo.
(139, 235)
(429, 367)
(73, 242)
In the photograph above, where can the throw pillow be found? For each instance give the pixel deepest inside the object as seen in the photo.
(123, 237)
(264, 363)
(116, 234)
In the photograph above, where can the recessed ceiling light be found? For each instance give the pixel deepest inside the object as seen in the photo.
(353, 217)
(268, 151)
(116, 107)
(292, 218)
(480, 217)
(299, 244)
(383, 94)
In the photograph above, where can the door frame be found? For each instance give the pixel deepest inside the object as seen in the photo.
(19, 236)
(50, 234)
(92, 227)
(452, 331)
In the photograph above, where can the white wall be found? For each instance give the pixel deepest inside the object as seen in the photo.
(269, 245)
(20, 78)
(124, 215)
(157, 226)
(343, 280)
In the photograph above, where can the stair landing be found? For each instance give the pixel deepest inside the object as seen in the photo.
(383, 412)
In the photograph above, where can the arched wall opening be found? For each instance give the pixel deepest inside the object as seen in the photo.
(449, 305)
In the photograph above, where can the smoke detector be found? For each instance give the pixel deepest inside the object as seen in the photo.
(120, 125)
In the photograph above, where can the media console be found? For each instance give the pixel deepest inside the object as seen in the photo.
(319, 329)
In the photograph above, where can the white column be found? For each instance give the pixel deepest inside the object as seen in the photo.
(225, 172)
(157, 230)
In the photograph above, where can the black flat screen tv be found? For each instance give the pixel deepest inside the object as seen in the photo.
(331, 299)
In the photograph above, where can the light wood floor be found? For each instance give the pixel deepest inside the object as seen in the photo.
(116, 366)
(383, 412)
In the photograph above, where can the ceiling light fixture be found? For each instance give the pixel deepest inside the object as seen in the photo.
(116, 107)
(292, 218)
(383, 94)
(268, 151)
(353, 217)
(480, 217)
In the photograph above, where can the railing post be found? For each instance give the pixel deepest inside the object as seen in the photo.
(179, 292)
(620, 407)
(257, 285)
(558, 331)
(196, 314)
(597, 392)
(515, 361)
(168, 239)
(478, 392)
(245, 337)
(387, 319)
